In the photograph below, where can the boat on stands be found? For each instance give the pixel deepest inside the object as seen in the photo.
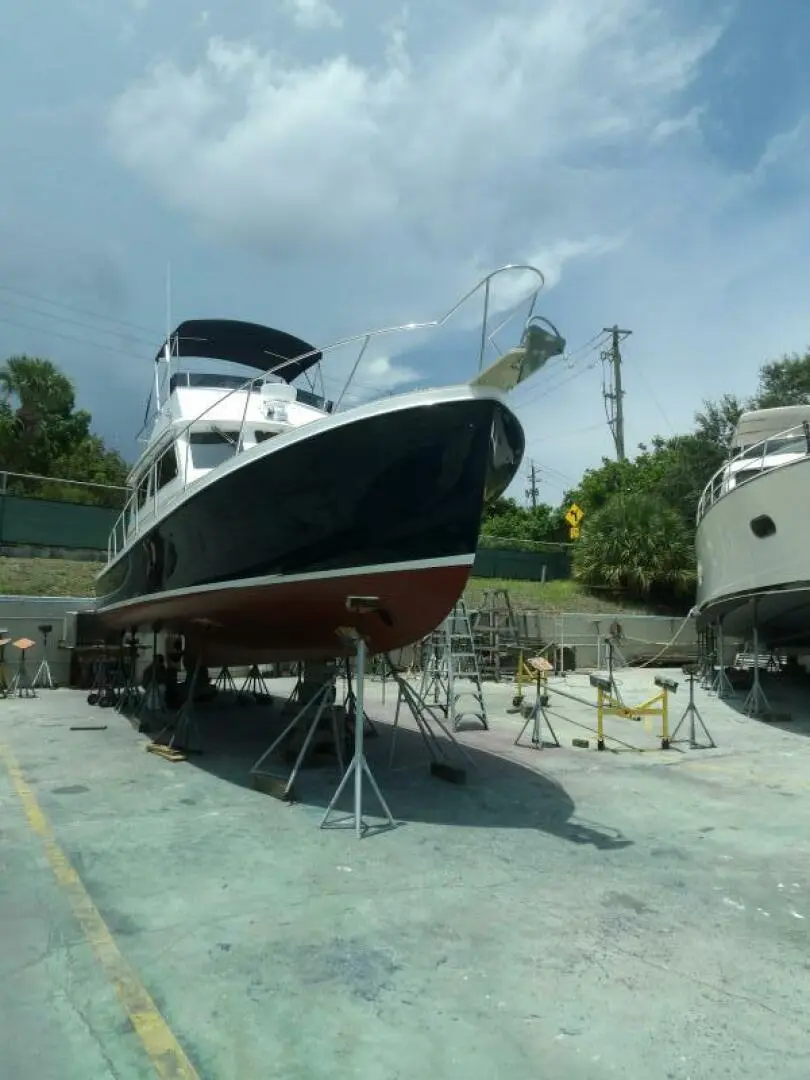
(753, 569)
(264, 518)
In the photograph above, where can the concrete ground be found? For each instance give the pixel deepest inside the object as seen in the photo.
(567, 914)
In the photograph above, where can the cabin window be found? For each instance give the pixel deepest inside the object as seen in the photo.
(794, 444)
(211, 448)
(746, 474)
(261, 436)
(143, 489)
(166, 468)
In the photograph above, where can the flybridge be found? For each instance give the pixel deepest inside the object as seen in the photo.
(246, 343)
(216, 381)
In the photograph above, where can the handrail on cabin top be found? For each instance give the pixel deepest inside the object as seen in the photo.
(713, 491)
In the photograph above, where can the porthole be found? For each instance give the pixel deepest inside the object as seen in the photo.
(763, 526)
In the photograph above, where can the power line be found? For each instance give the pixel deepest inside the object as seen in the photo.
(565, 434)
(77, 310)
(124, 334)
(71, 337)
(547, 390)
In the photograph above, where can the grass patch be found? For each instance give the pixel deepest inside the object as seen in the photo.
(47, 577)
(566, 595)
(67, 577)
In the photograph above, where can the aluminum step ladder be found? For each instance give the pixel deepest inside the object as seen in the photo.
(449, 656)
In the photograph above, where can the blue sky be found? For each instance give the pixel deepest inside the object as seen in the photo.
(331, 168)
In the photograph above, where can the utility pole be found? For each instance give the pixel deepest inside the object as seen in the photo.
(533, 490)
(614, 394)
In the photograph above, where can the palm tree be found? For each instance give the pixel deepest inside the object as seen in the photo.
(38, 418)
(636, 544)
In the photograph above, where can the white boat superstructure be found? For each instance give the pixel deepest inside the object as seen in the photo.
(202, 420)
(752, 566)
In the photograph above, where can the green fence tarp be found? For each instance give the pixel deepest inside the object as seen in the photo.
(521, 565)
(43, 523)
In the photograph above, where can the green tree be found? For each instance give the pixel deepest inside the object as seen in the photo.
(718, 419)
(784, 382)
(675, 470)
(638, 545)
(42, 432)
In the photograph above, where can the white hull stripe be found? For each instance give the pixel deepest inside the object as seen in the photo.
(293, 579)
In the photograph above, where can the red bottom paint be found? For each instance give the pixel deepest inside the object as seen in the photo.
(299, 620)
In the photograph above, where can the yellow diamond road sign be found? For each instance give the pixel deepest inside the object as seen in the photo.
(574, 515)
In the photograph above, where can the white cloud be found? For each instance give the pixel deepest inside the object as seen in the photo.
(314, 14)
(382, 177)
(677, 125)
(419, 169)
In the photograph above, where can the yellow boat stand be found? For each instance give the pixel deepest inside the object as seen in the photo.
(609, 704)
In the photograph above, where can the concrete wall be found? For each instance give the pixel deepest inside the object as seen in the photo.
(641, 638)
(23, 614)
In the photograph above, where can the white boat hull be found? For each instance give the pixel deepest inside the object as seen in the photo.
(744, 578)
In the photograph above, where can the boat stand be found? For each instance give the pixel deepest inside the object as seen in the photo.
(185, 731)
(282, 787)
(254, 686)
(22, 685)
(722, 684)
(539, 715)
(425, 716)
(358, 766)
(350, 705)
(152, 699)
(756, 703)
(225, 682)
(5, 680)
(130, 697)
(43, 677)
(692, 714)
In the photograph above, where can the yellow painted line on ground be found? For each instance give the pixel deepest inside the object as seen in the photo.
(164, 1051)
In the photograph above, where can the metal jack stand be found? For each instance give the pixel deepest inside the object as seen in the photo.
(350, 704)
(722, 684)
(358, 766)
(283, 787)
(22, 686)
(254, 685)
(5, 681)
(756, 703)
(692, 713)
(43, 677)
(185, 732)
(151, 701)
(424, 715)
(130, 697)
(538, 714)
(225, 681)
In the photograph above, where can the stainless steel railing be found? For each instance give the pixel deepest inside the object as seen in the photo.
(793, 441)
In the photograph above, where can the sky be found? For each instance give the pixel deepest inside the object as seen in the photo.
(330, 167)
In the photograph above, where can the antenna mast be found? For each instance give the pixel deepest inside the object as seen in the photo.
(167, 346)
